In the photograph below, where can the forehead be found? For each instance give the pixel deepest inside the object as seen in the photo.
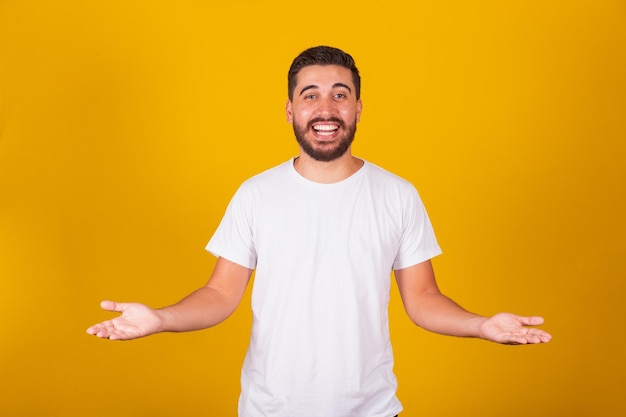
(324, 76)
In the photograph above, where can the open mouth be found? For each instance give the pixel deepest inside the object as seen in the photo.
(325, 129)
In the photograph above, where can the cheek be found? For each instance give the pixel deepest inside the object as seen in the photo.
(350, 115)
(301, 116)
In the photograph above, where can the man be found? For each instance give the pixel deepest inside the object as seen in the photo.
(323, 232)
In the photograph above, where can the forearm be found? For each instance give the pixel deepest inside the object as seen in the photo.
(203, 308)
(439, 314)
(433, 311)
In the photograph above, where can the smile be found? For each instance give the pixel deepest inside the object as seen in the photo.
(325, 129)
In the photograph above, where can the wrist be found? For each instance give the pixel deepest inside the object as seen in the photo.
(476, 327)
(166, 320)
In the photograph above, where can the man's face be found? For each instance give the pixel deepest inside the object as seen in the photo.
(324, 111)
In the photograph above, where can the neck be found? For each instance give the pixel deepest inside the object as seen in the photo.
(327, 172)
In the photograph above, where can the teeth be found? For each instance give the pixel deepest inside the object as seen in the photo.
(325, 128)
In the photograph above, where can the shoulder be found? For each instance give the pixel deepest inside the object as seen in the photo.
(393, 188)
(274, 178)
(388, 178)
(271, 175)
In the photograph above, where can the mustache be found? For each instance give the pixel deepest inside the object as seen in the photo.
(325, 119)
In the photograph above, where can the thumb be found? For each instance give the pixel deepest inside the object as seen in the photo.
(531, 321)
(113, 306)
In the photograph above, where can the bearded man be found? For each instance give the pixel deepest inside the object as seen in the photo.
(323, 231)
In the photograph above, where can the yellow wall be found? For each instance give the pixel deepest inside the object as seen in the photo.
(125, 127)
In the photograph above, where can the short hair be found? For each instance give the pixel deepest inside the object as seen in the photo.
(322, 55)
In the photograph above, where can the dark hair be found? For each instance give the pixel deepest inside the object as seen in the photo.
(322, 55)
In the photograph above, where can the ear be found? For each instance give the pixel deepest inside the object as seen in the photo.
(289, 111)
(359, 108)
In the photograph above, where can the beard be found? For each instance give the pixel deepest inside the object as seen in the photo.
(325, 152)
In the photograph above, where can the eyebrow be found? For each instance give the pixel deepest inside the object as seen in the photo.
(313, 86)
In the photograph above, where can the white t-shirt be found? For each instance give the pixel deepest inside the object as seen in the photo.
(323, 255)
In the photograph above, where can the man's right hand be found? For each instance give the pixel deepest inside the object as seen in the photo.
(137, 320)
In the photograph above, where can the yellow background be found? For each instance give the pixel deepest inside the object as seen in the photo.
(126, 126)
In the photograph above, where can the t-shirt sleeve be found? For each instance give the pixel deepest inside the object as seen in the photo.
(418, 242)
(233, 239)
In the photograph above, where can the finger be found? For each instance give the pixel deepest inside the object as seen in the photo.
(117, 336)
(108, 332)
(545, 338)
(540, 336)
(531, 320)
(532, 337)
(515, 340)
(96, 328)
(113, 306)
(100, 329)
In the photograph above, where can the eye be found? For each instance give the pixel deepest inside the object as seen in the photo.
(340, 96)
(310, 97)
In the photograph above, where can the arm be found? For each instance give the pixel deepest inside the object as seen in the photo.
(430, 309)
(205, 307)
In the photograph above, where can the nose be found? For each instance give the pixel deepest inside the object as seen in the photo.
(326, 107)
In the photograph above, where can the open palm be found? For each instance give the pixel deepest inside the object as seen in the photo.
(137, 320)
(512, 329)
